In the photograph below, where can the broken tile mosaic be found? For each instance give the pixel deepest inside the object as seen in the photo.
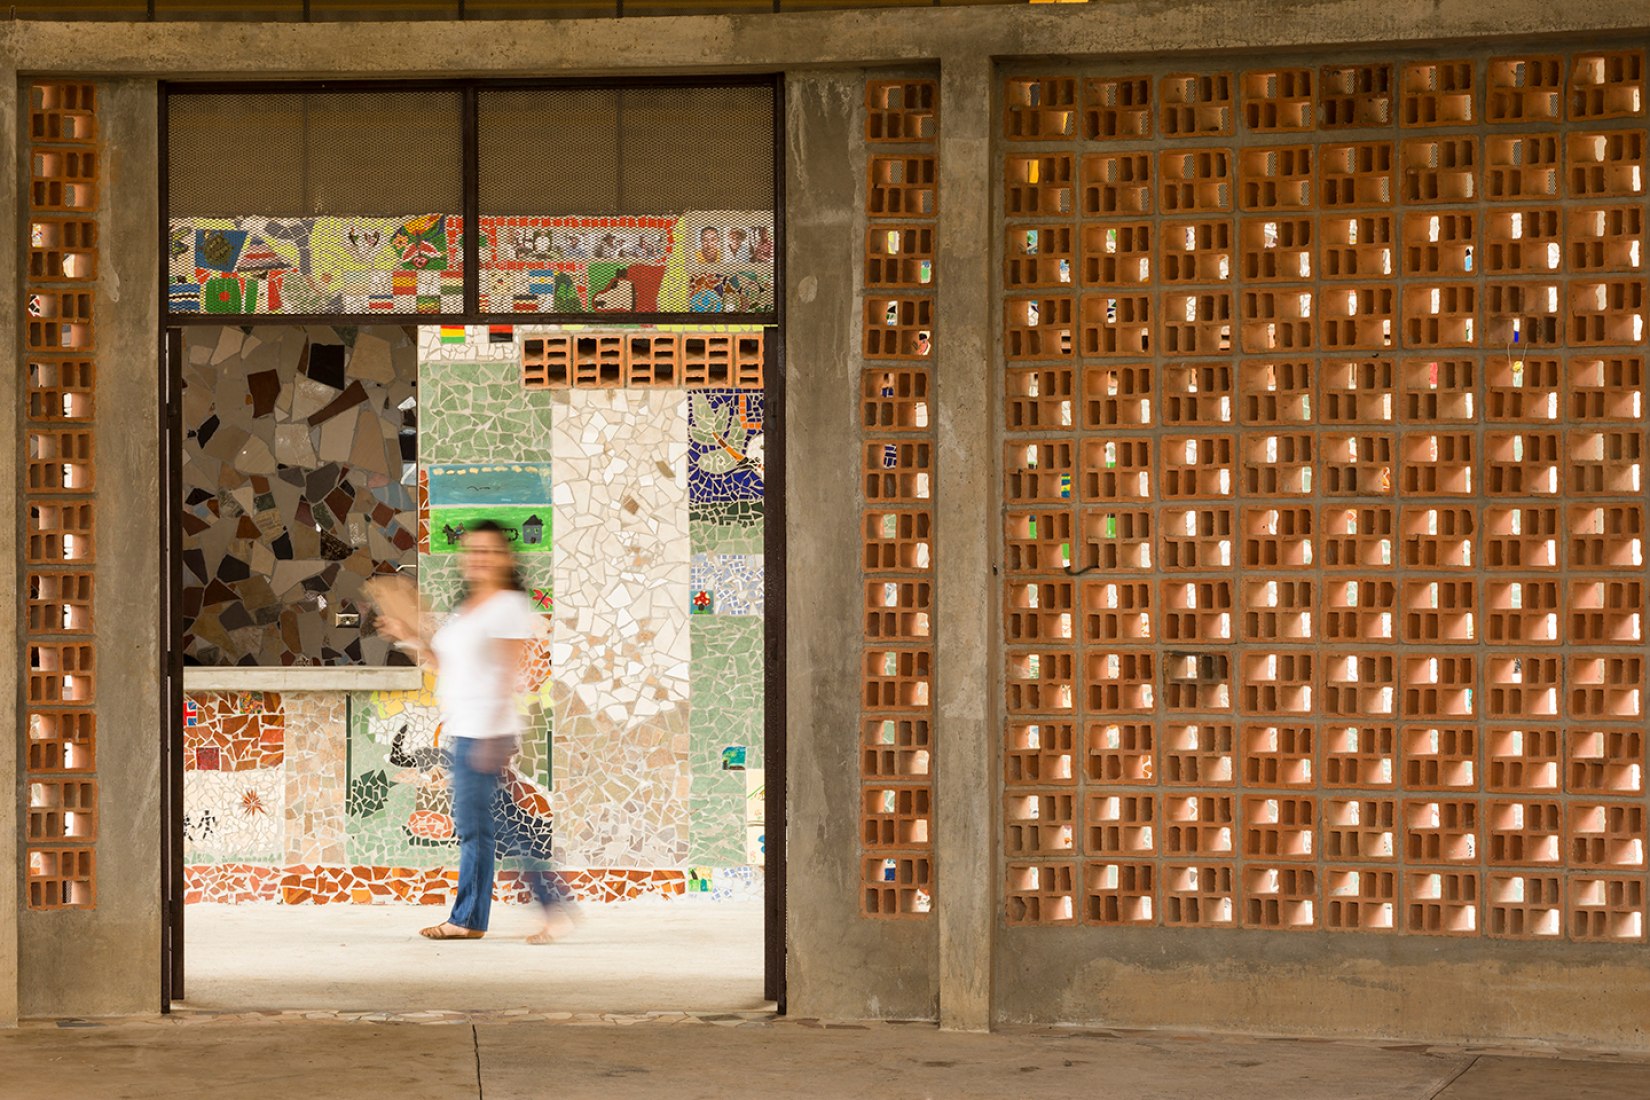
(701, 262)
(726, 453)
(621, 652)
(234, 731)
(730, 584)
(263, 265)
(642, 764)
(299, 484)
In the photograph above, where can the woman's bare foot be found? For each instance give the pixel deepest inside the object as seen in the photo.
(559, 920)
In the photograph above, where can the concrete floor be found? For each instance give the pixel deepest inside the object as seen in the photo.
(632, 957)
(280, 999)
(689, 1059)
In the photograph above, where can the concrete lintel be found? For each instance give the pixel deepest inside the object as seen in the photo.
(965, 817)
(768, 41)
(302, 679)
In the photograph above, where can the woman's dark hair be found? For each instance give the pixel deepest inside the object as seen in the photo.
(487, 526)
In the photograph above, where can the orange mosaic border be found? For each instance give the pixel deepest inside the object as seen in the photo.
(302, 884)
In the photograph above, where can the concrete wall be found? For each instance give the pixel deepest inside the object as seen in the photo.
(107, 960)
(11, 522)
(839, 963)
(964, 966)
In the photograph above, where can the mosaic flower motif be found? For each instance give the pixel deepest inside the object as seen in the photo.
(252, 804)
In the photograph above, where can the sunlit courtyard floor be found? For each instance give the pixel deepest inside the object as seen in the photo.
(627, 957)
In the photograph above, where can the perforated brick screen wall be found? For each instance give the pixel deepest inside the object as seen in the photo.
(59, 366)
(612, 360)
(897, 477)
(1323, 496)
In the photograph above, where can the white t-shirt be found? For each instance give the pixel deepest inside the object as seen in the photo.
(475, 685)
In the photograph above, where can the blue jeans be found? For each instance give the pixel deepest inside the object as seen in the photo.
(484, 815)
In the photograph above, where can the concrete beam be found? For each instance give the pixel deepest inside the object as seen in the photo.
(240, 678)
(767, 41)
(965, 743)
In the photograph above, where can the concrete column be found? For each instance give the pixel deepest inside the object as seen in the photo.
(106, 961)
(839, 963)
(11, 444)
(965, 537)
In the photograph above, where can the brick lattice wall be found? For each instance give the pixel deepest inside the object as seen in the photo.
(59, 364)
(898, 342)
(1323, 496)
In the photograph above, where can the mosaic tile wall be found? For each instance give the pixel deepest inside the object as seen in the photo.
(299, 477)
(261, 265)
(641, 770)
(698, 262)
(1324, 496)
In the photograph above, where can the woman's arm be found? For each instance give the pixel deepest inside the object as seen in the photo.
(416, 640)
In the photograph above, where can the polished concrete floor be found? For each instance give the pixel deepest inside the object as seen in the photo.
(633, 957)
(730, 1058)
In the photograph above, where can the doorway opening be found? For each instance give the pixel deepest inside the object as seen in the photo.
(347, 389)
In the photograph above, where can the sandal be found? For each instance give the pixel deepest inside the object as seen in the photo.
(446, 930)
(542, 936)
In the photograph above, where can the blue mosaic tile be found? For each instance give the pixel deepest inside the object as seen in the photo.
(725, 446)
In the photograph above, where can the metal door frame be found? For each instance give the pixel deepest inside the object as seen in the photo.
(170, 541)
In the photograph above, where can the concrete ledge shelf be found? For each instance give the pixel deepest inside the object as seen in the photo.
(240, 678)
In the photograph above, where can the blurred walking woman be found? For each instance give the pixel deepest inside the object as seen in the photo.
(477, 657)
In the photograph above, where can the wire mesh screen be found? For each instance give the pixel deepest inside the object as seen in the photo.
(620, 200)
(311, 203)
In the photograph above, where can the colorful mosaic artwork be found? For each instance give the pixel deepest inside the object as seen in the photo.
(641, 769)
(235, 883)
(399, 804)
(299, 474)
(234, 732)
(476, 413)
(702, 262)
(234, 815)
(267, 265)
(726, 584)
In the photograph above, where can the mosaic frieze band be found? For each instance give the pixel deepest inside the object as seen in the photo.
(897, 444)
(1324, 503)
(59, 365)
(702, 261)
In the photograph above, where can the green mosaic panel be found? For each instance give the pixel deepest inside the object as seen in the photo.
(718, 833)
(726, 674)
(726, 527)
(478, 413)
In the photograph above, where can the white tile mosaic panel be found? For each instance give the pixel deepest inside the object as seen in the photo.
(234, 815)
(621, 647)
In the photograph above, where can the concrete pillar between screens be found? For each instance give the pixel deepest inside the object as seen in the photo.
(105, 961)
(965, 703)
(11, 644)
(840, 963)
